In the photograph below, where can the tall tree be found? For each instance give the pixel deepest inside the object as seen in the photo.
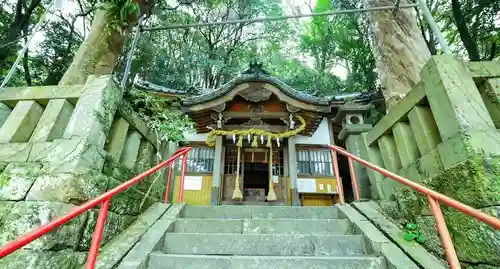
(100, 51)
(22, 14)
(399, 48)
(204, 58)
(16, 19)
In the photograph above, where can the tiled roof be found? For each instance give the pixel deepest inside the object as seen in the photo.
(149, 86)
(224, 89)
(255, 74)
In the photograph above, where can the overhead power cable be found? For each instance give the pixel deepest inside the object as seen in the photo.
(279, 18)
(15, 41)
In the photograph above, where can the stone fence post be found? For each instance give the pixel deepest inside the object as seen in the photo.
(353, 128)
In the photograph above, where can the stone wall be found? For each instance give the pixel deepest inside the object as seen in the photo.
(443, 134)
(60, 147)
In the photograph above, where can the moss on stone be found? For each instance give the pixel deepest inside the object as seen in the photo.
(130, 202)
(33, 259)
(2, 166)
(411, 203)
(481, 266)
(115, 224)
(5, 208)
(25, 216)
(4, 179)
(475, 182)
(116, 170)
(475, 242)
(392, 210)
(72, 188)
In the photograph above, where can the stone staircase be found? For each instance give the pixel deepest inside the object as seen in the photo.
(261, 237)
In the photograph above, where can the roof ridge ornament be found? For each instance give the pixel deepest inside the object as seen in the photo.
(255, 68)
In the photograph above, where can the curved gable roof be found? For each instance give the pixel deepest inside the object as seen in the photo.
(255, 77)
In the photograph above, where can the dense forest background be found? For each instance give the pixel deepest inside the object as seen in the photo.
(322, 55)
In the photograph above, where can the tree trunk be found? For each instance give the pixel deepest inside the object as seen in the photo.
(98, 54)
(100, 51)
(22, 14)
(399, 49)
(463, 31)
(26, 68)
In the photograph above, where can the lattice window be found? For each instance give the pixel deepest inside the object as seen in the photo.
(201, 160)
(230, 161)
(278, 163)
(314, 162)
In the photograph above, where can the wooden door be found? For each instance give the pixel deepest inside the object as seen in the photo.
(229, 178)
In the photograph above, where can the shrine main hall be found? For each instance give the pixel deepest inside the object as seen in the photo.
(259, 141)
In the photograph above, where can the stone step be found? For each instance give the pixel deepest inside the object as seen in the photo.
(259, 212)
(264, 245)
(160, 261)
(254, 203)
(264, 226)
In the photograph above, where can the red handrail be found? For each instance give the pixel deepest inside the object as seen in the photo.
(433, 196)
(103, 200)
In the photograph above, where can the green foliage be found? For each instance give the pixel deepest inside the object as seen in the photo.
(481, 20)
(55, 53)
(173, 125)
(198, 60)
(412, 233)
(341, 40)
(160, 114)
(120, 12)
(4, 179)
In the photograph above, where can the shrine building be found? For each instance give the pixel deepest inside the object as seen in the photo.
(259, 141)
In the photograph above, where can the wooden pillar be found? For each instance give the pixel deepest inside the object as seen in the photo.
(217, 171)
(285, 175)
(292, 166)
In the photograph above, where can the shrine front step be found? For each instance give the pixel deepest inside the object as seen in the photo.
(259, 212)
(264, 245)
(263, 237)
(172, 261)
(254, 203)
(264, 226)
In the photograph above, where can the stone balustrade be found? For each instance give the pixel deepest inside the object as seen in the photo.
(61, 146)
(444, 135)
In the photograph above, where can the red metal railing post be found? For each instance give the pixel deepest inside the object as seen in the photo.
(449, 250)
(169, 178)
(97, 236)
(183, 174)
(337, 176)
(354, 180)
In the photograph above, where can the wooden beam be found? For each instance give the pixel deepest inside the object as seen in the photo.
(262, 115)
(274, 128)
